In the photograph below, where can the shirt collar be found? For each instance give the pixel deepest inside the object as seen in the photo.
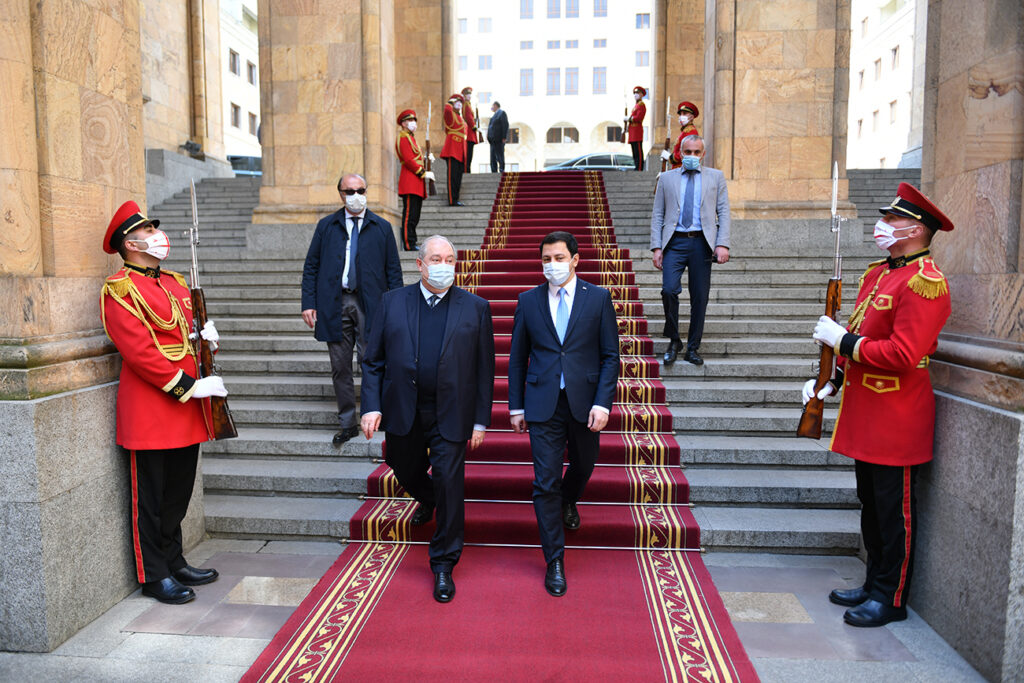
(569, 287)
(427, 293)
(148, 272)
(361, 215)
(899, 261)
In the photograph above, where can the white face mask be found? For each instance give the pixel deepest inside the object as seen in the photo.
(411, 126)
(684, 119)
(440, 275)
(636, 96)
(355, 203)
(884, 236)
(458, 106)
(557, 272)
(156, 245)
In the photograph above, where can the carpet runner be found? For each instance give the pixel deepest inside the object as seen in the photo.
(640, 605)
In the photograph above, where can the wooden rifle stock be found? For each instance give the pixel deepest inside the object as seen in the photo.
(431, 188)
(222, 425)
(813, 415)
(625, 127)
(664, 164)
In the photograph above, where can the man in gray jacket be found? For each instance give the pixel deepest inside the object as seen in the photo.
(689, 229)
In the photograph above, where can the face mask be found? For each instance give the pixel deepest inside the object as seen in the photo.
(157, 245)
(684, 119)
(411, 126)
(355, 203)
(884, 237)
(556, 272)
(636, 96)
(691, 163)
(458, 106)
(440, 275)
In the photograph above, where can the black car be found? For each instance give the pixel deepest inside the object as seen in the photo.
(595, 162)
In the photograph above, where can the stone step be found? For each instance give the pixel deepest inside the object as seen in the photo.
(317, 478)
(737, 450)
(786, 530)
(771, 487)
(745, 420)
(291, 444)
(277, 517)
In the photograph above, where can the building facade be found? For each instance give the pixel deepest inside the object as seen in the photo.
(240, 92)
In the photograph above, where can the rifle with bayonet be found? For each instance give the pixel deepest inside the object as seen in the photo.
(813, 415)
(431, 188)
(222, 425)
(625, 124)
(668, 140)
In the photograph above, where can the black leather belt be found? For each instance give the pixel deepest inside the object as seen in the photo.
(692, 234)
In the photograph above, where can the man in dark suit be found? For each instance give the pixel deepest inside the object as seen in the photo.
(497, 133)
(342, 281)
(689, 229)
(563, 367)
(428, 382)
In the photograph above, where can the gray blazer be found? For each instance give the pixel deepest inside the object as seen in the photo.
(714, 208)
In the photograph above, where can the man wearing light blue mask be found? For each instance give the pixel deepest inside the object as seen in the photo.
(689, 230)
(434, 343)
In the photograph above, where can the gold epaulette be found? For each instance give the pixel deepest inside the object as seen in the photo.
(118, 284)
(871, 266)
(177, 276)
(929, 281)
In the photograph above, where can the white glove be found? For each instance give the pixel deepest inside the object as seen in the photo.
(808, 391)
(431, 157)
(665, 155)
(206, 387)
(828, 331)
(659, 176)
(209, 332)
(429, 175)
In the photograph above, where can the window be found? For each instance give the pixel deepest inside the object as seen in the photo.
(484, 25)
(600, 8)
(643, 21)
(554, 81)
(512, 166)
(643, 58)
(513, 136)
(600, 80)
(252, 123)
(613, 133)
(463, 62)
(250, 69)
(525, 82)
(525, 44)
(572, 9)
(600, 42)
(860, 80)
(567, 135)
(572, 44)
(463, 25)
(895, 55)
(554, 44)
(572, 80)
(864, 27)
(484, 98)
(233, 62)
(236, 115)
(878, 69)
(484, 62)
(860, 128)
(526, 9)
(892, 112)
(874, 120)
(554, 9)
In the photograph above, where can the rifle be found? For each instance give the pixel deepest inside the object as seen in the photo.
(222, 426)
(625, 119)
(668, 139)
(813, 415)
(431, 188)
(476, 123)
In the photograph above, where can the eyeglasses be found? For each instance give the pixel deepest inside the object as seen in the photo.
(349, 192)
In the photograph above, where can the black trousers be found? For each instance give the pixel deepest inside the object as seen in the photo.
(161, 482)
(455, 168)
(638, 156)
(353, 336)
(409, 456)
(888, 523)
(498, 156)
(679, 254)
(469, 156)
(411, 205)
(548, 442)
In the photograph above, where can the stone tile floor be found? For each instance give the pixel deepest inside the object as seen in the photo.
(778, 604)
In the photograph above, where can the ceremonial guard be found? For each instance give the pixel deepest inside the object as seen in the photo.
(454, 150)
(687, 112)
(472, 134)
(887, 413)
(635, 127)
(412, 178)
(161, 415)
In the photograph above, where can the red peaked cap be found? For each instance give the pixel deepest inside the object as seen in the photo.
(128, 218)
(457, 97)
(406, 115)
(688, 106)
(911, 203)
(640, 89)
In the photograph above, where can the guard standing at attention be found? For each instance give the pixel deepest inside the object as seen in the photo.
(161, 415)
(635, 128)
(687, 112)
(887, 414)
(454, 150)
(412, 177)
(472, 135)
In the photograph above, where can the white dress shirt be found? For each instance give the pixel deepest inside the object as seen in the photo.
(348, 229)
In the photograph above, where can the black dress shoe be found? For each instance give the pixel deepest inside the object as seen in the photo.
(168, 590)
(570, 516)
(674, 347)
(444, 586)
(194, 576)
(423, 514)
(848, 598)
(873, 613)
(691, 357)
(459, 204)
(554, 579)
(344, 435)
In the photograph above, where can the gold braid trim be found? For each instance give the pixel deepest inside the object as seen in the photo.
(177, 276)
(123, 289)
(857, 317)
(870, 267)
(929, 287)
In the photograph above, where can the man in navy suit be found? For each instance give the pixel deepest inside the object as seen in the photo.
(342, 281)
(562, 372)
(428, 382)
(497, 133)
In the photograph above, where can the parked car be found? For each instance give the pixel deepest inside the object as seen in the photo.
(595, 162)
(246, 166)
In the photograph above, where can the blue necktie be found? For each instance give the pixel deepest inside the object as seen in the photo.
(432, 301)
(561, 325)
(353, 247)
(686, 220)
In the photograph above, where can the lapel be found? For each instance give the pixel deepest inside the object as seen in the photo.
(545, 310)
(455, 301)
(412, 309)
(579, 300)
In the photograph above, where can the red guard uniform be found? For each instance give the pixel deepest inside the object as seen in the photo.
(472, 137)
(454, 150)
(684, 132)
(635, 128)
(410, 180)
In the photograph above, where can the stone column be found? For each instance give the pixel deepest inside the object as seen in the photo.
(679, 67)
(423, 64)
(970, 577)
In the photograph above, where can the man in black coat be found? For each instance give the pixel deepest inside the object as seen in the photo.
(497, 133)
(342, 283)
(428, 382)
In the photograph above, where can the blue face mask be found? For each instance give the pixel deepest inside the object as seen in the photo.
(691, 163)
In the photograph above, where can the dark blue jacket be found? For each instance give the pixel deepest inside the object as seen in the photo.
(589, 358)
(465, 371)
(377, 269)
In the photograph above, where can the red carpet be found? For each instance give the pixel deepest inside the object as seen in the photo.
(640, 607)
